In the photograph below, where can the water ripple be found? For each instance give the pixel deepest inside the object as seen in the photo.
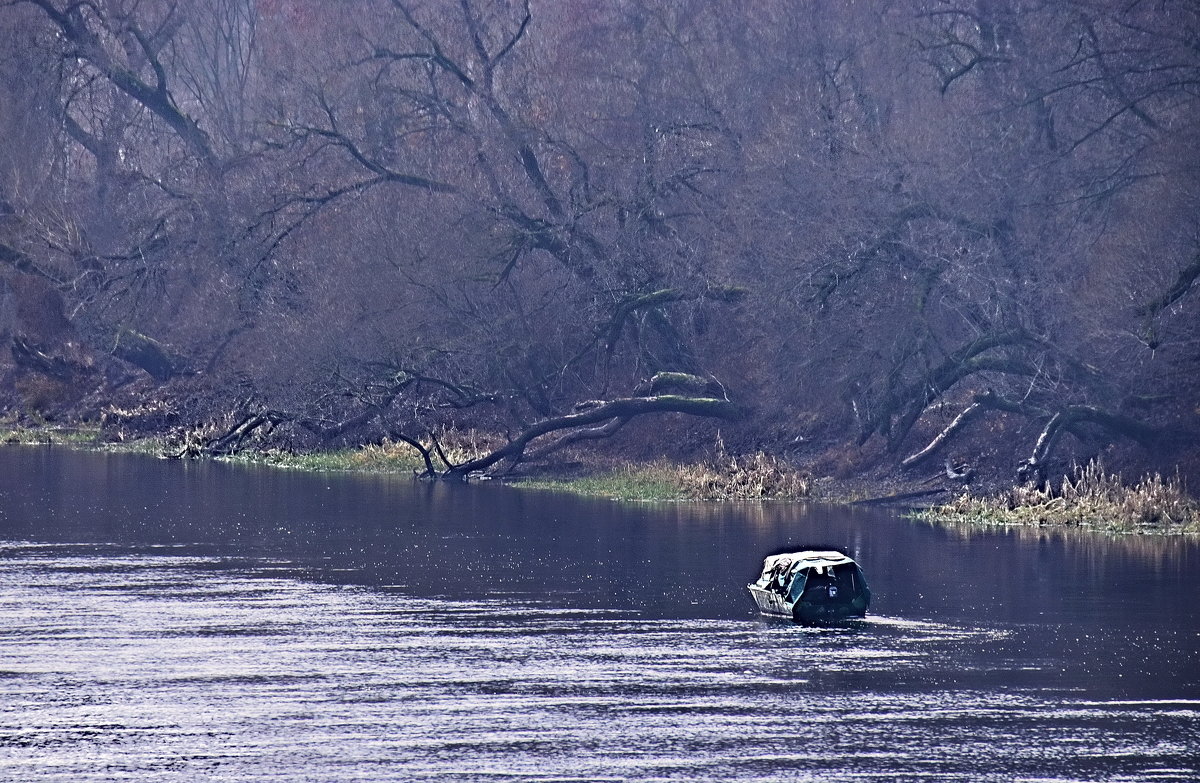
(167, 667)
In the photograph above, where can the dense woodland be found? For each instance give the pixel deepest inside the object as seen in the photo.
(863, 236)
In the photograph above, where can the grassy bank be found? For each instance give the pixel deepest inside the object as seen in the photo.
(48, 434)
(1089, 499)
(385, 458)
(754, 477)
(86, 437)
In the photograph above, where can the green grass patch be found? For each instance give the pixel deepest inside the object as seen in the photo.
(756, 477)
(50, 434)
(385, 458)
(657, 481)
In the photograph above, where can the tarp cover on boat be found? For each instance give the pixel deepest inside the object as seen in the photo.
(791, 562)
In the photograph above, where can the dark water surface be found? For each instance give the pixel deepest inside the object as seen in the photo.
(165, 621)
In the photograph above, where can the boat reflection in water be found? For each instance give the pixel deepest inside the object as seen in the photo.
(811, 586)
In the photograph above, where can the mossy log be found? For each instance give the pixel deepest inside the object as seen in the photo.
(147, 353)
(681, 383)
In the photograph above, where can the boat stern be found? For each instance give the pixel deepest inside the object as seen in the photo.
(769, 601)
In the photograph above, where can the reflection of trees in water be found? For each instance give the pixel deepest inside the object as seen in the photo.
(1165, 552)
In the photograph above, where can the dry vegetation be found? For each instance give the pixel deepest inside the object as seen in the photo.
(756, 476)
(1090, 498)
(752, 477)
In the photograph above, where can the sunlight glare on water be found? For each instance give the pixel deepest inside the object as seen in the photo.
(166, 667)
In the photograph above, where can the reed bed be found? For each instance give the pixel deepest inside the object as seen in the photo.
(1088, 498)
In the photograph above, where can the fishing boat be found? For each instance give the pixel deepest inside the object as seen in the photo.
(811, 586)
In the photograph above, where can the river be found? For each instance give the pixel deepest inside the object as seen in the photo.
(175, 621)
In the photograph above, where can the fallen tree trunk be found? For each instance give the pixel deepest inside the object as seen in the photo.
(943, 436)
(980, 402)
(589, 421)
(900, 497)
(902, 407)
(430, 470)
(230, 441)
(606, 430)
(1034, 468)
(602, 412)
(1066, 419)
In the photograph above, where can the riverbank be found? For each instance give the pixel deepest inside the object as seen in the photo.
(1091, 499)
(724, 477)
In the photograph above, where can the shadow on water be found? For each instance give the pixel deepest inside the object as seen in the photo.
(164, 620)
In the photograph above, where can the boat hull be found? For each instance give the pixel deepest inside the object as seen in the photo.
(774, 604)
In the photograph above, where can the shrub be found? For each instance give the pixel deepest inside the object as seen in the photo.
(757, 475)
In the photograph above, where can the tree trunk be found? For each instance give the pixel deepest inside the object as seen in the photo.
(624, 408)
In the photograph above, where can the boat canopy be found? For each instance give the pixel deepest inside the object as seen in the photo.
(796, 561)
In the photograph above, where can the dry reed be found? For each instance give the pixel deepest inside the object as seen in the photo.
(1089, 498)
